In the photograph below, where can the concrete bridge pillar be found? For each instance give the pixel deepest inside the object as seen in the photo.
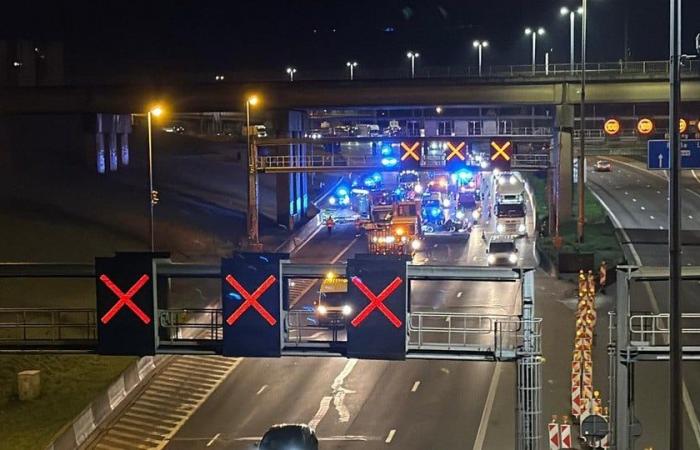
(562, 159)
(291, 189)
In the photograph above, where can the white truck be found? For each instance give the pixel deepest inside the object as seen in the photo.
(508, 204)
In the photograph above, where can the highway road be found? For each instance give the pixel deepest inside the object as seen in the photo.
(637, 199)
(406, 405)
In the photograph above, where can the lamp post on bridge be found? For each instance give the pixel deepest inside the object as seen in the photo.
(572, 26)
(155, 111)
(291, 71)
(534, 33)
(351, 65)
(480, 45)
(412, 56)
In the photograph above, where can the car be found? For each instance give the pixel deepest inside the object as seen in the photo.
(501, 251)
(602, 165)
(289, 437)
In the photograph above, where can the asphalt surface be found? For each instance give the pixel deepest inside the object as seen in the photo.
(638, 200)
(374, 404)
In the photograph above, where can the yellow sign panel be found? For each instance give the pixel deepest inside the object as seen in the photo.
(612, 127)
(683, 126)
(645, 126)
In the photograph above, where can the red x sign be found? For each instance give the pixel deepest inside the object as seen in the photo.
(455, 151)
(125, 299)
(410, 151)
(376, 301)
(251, 300)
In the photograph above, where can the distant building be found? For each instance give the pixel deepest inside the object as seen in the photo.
(31, 63)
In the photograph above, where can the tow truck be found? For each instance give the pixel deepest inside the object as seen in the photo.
(395, 229)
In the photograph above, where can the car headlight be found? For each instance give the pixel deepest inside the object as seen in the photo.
(521, 228)
(416, 245)
(460, 215)
(390, 239)
(404, 239)
(322, 310)
(500, 228)
(491, 259)
(446, 203)
(475, 215)
(332, 200)
(418, 188)
(512, 258)
(347, 310)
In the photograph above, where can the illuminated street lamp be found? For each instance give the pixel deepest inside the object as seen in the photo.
(529, 31)
(412, 56)
(351, 65)
(291, 71)
(480, 45)
(572, 25)
(252, 210)
(155, 111)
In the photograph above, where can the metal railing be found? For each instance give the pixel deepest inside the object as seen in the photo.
(47, 325)
(192, 323)
(530, 161)
(616, 69)
(501, 335)
(652, 329)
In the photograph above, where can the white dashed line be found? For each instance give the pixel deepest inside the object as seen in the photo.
(390, 436)
(459, 294)
(260, 391)
(634, 200)
(651, 217)
(415, 386)
(212, 440)
(643, 208)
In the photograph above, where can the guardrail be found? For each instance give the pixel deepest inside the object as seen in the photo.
(648, 329)
(501, 335)
(616, 69)
(192, 323)
(50, 325)
(530, 161)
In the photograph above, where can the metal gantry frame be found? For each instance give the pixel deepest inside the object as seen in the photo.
(640, 337)
(522, 345)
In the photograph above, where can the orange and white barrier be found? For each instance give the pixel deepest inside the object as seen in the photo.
(576, 400)
(554, 438)
(565, 435)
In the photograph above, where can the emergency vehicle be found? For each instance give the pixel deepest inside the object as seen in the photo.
(333, 305)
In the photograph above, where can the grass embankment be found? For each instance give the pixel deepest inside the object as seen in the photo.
(68, 384)
(599, 232)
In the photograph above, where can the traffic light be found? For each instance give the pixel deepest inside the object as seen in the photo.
(251, 304)
(126, 322)
(377, 291)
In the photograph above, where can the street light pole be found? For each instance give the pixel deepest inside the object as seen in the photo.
(580, 223)
(572, 27)
(252, 210)
(412, 56)
(351, 65)
(674, 231)
(291, 71)
(480, 45)
(534, 33)
(153, 194)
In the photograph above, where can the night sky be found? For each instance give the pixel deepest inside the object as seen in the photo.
(323, 34)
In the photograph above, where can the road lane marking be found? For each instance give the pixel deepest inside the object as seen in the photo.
(260, 391)
(687, 403)
(488, 407)
(209, 444)
(459, 294)
(415, 386)
(339, 391)
(390, 436)
(321, 413)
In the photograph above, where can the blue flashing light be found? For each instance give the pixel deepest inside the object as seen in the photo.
(376, 176)
(342, 192)
(332, 200)
(398, 191)
(386, 150)
(369, 182)
(435, 212)
(465, 175)
(389, 161)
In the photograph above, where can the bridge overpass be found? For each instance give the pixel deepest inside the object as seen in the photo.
(635, 83)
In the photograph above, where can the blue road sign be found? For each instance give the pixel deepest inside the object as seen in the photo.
(658, 154)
